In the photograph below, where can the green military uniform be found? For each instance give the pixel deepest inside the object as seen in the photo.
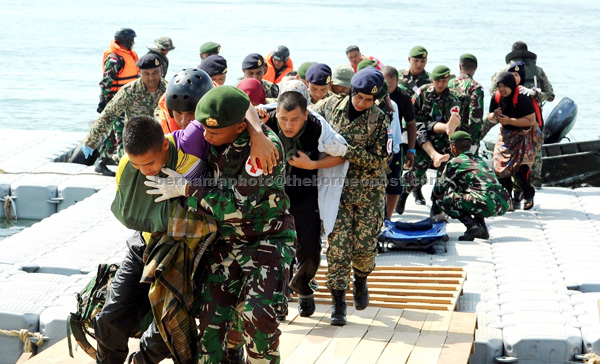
(250, 267)
(353, 241)
(328, 94)
(471, 94)
(133, 99)
(271, 89)
(430, 108)
(411, 83)
(468, 186)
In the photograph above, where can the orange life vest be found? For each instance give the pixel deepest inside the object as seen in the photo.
(270, 75)
(168, 124)
(536, 106)
(128, 73)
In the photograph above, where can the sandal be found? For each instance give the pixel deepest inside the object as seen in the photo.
(528, 204)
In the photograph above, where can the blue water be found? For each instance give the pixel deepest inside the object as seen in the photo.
(50, 51)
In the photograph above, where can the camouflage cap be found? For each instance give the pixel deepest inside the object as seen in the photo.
(368, 81)
(468, 56)
(366, 63)
(458, 136)
(440, 72)
(222, 106)
(210, 47)
(303, 68)
(164, 43)
(148, 61)
(342, 75)
(418, 52)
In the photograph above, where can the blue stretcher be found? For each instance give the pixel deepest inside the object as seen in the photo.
(421, 235)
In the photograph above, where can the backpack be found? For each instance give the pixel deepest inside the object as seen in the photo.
(89, 303)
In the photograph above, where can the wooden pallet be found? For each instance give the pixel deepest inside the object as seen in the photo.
(426, 288)
(410, 320)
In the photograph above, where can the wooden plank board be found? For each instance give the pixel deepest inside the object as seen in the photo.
(386, 320)
(427, 348)
(411, 321)
(370, 348)
(399, 348)
(294, 333)
(459, 342)
(342, 345)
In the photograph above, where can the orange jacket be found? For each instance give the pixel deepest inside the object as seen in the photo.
(129, 72)
(270, 75)
(162, 114)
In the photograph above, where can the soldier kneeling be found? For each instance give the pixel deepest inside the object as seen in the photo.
(468, 189)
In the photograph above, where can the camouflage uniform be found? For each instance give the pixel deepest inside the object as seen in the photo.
(133, 99)
(410, 83)
(251, 264)
(471, 94)
(467, 186)
(430, 109)
(353, 241)
(271, 89)
(546, 93)
(329, 93)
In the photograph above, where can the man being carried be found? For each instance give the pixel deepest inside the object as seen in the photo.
(251, 265)
(468, 189)
(134, 99)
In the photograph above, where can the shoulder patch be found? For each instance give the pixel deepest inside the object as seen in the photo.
(254, 172)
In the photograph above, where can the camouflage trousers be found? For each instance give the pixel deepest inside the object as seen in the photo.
(111, 147)
(481, 204)
(250, 278)
(353, 242)
(417, 175)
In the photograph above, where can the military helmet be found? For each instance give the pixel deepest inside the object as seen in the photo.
(282, 53)
(186, 88)
(124, 37)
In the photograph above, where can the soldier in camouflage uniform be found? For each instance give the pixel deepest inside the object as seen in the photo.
(163, 46)
(437, 111)
(250, 266)
(118, 70)
(410, 80)
(353, 242)
(254, 66)
(471, 93)
(468, 189)
(134, 99)
(319, 82)
(540, 88)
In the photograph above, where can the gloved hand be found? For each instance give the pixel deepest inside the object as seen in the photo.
(169, 187)
(87, 151)
(336, 149)
(101, 106)
(527, 91)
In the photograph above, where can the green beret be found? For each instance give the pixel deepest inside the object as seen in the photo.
(457, 136)
(222, 106)
(468, 56)
(440, 72)
(210, 47)
(303, 68)
(418, 52)
(366, 63)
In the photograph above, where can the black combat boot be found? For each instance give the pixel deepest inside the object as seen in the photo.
(474, 230)
(401, 203)
(481, 221)
(338, 309)
(361, 292)
(419, 199)
(102, 168)
(306, 305)
(235, 356)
